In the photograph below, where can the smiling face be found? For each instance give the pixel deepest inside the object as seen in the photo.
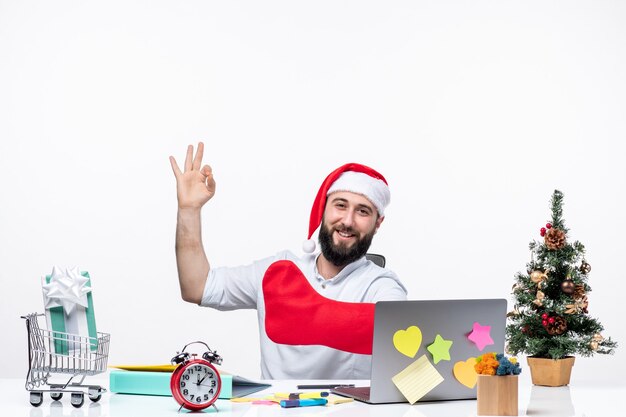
(348, 226)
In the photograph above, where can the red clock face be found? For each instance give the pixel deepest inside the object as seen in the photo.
(196, 384)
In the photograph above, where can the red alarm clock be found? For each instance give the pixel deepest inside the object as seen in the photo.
(195, 383)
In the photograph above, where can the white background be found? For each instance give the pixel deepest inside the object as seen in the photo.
(475, 111)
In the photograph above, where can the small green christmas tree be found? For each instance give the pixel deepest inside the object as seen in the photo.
(550, 318)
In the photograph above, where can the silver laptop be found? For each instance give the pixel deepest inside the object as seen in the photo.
(453, 320)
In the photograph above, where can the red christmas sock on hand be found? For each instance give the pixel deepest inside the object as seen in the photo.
(296, 314)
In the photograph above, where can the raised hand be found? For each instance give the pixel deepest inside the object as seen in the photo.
(196, 185)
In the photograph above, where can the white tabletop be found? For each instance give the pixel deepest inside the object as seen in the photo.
(576, 400)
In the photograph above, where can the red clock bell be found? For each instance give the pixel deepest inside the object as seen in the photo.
(195, 383)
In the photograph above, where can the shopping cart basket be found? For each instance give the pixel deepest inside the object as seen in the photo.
(52, 352)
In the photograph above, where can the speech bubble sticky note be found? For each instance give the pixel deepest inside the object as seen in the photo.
(465, 373)
(481, 336)
(417, 379)
(440, 349)
(408, 341)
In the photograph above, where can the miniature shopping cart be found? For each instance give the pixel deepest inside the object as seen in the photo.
(52, 352)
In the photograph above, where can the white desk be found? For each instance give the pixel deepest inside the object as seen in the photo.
(576, 400)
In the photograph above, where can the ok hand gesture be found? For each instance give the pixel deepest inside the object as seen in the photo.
(196, 185)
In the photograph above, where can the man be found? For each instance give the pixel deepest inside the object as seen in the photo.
(348, 209)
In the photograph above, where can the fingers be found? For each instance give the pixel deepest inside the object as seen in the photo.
(175, 167)
(193, 163)
(189, 158)
(209, 180)
(207, 170)
(197, 161)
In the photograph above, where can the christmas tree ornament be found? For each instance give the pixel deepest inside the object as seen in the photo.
(585, 268)
(542, 231)
(595, 341)
(539, 300)
(548, 225)
(544, 316)
(579, 291)
(514, 312)
(554, 239)
(530, 266)
(539, 278)
(578, 306)
(568, 286)
(556, 326)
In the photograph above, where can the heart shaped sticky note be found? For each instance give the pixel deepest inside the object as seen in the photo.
(408, 341)
(465, 373)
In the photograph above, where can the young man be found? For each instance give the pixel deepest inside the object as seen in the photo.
(349, 209)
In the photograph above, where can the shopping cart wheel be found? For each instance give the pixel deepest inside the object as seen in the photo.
(95, 393)
(78, 398)
(36, 398)
(56, 396)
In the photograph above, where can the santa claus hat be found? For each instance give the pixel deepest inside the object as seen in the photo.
(355, 178)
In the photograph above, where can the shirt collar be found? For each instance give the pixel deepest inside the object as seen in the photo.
(347, 270)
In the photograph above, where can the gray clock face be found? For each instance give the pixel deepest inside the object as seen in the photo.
(199, 384)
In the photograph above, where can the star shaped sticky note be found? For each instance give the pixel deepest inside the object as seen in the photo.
(480, 336)
(440, 349)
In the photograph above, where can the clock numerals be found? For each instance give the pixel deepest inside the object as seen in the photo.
(198, 384)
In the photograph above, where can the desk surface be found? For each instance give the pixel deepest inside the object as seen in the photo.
(576, 400)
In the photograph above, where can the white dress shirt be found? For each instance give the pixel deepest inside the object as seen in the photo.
(230, 288)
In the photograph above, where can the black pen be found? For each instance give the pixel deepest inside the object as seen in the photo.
(324, 386)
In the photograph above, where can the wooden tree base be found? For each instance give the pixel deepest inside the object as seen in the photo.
(497, 395)
(551, 372)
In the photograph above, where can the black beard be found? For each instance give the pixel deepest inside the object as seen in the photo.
(340, 255)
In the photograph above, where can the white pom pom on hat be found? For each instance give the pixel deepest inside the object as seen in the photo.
(352, 177)
(308, 246)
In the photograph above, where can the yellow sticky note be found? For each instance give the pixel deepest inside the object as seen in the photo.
(337, 399)
(417, 379)
(465, 373)
(408, 341)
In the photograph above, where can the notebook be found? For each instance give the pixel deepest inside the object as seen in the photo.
(469, 324)
(155, 380)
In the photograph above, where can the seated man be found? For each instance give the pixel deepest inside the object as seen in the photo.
(349, 209)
